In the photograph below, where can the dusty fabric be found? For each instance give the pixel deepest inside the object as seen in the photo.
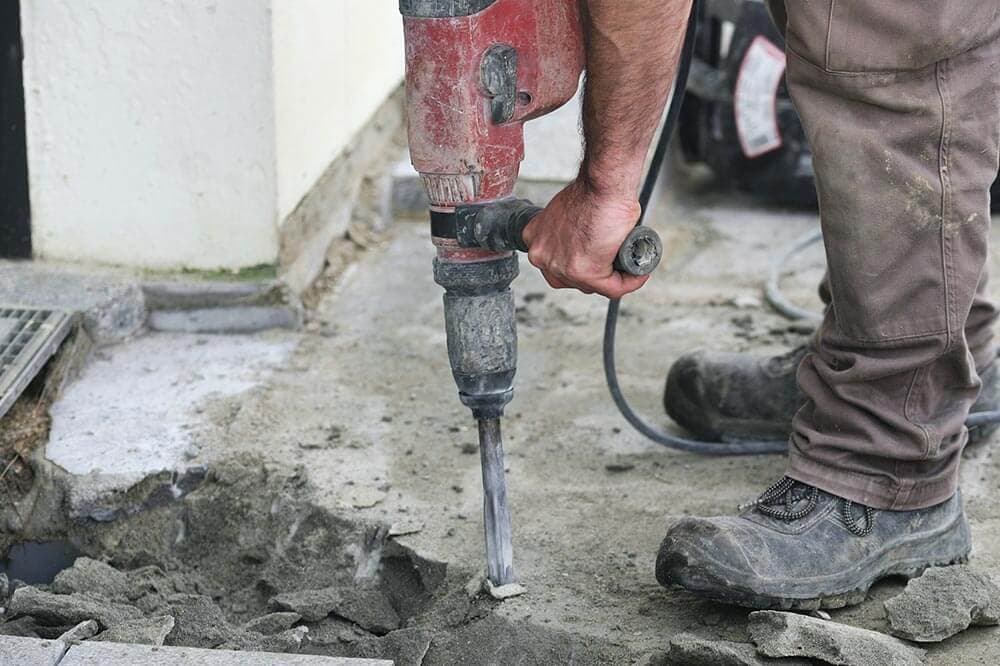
(900, 102)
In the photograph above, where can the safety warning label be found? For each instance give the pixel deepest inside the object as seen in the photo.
(756, 95)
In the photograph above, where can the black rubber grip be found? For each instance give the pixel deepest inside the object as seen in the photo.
(499, 226)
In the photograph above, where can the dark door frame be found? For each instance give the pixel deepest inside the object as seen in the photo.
(15, 209)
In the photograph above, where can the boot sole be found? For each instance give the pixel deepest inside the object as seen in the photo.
(832, 601)
(721, 588)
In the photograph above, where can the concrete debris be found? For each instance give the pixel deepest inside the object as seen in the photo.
(141, 631)
(87, 575)
(780, 634)
(368, 608)
(26, 627)
(476, 584)
(689, 650)
(289, 641)
(199, 621)
(405, 647)
(502, 592)
(404, 527)
(80, 632)
(150, 584)
(497, 640)
(942, 602)
(328, 634)
(272, 623)
(59, 609)
(620, 466)
(4, 589)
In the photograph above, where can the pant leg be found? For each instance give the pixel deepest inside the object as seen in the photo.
(900, 102)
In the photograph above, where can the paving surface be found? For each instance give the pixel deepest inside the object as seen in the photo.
(367, 407)
(34, 652)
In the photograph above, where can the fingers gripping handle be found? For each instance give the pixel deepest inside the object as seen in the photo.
(500, 226)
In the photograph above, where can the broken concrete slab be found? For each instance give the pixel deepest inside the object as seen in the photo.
(272, 623)
(781, 634)
(134, 411)
(689, 650)
(942, 602)
(120, 654)
(405, 647)
(30, 651)
(87, 575)
(368, 608)
(112, 304)
(60, 609)
(141, 631)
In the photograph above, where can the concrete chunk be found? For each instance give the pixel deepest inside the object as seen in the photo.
(80, 632)
(199, 622)
(143, 631)
(272, 623)
(87, 575)
(779, 634)
(120, 654)
(942, 602)
(688, 650)
(368, 608)
(30, 651)
(68, 608)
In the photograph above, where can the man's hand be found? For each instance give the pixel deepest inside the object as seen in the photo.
(574, 241)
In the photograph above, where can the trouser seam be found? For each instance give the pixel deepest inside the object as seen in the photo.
(944, 156)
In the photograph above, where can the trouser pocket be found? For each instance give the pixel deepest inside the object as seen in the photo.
(858, 36)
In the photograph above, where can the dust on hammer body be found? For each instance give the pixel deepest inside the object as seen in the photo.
(485, 58)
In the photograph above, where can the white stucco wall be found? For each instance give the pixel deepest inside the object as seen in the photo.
(180, 133)
(150, 131)
(335, 61)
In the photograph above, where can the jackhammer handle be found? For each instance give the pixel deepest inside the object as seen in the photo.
(499, 226)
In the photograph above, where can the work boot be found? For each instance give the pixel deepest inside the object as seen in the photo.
(722, 395)
(799, 548)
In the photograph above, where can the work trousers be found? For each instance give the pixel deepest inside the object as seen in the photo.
(900, 101)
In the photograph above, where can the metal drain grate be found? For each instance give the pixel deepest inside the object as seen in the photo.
(28, 338)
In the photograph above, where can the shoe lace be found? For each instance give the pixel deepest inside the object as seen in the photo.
(782, 501)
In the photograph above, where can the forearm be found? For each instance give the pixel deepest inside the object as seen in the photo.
(632, 53)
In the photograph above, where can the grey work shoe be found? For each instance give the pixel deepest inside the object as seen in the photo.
(799, 548)
(720, 395)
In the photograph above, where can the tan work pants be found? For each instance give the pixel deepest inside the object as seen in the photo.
(900, 101)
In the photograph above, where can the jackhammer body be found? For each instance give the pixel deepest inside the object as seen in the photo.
(476, 70)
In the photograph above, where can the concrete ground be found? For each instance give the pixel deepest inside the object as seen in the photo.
(363, 401)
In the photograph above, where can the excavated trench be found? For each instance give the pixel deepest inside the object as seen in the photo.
(239, 557)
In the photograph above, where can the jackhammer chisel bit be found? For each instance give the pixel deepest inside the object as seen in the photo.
(475, 72)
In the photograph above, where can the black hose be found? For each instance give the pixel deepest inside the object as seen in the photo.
(773, 293)
(739, 447)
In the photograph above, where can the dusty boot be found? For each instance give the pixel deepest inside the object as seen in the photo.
(720, 395)
(800, 548)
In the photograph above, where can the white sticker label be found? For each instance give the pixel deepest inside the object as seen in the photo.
(756, 97)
